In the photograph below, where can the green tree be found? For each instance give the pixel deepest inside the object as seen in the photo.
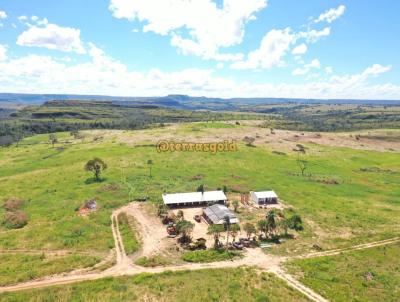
(180, 215)
(162, 210)
(52, 139)
(150, 164)
(271, 222)
(185, 228)
(250, 229)
(262, 226)
(97, 166)
(296, 223)
(216, 230)
(200, 189)
(234, 230)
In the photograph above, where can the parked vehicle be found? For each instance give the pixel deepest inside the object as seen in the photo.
(237, 245)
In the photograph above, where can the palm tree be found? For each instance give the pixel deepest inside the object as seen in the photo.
(235, 229)
(262, 226)
(150, 164)
(227, 224)
(216, 230)
(271, 222)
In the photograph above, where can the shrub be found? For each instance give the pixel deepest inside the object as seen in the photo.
(15, 220)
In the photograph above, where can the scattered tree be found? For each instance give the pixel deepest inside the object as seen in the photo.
(250, 229)
(234, 230)
(227, 224)
(262, 226)
(303, 165)
(271, 222)
(162, 210)
(185, 228)
(200, 189)
(216, 230)
(295, 223)
(180, 215)
(150, 164)
(97, 166)
(53, 139)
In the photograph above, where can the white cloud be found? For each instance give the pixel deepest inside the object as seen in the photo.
(273, 48)
(52, 36)
(307, 68)
(329, 69)
(313, 35)
(3, 15)
(102, 74)
(300, 49)
(199, 28)
(3, 53)
(331, 15)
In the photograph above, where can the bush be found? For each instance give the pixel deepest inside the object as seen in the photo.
(15, 220)
(12, 204)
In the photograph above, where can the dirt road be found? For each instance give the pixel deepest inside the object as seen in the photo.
(152, 235)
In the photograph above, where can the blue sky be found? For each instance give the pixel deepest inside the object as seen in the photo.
(231, 48)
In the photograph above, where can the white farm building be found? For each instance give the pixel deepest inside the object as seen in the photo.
(194, 198)
(264, 197)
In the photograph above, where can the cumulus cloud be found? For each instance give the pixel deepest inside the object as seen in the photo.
(3, 52)
(314, 35)
(273, 48)
(52, 36)
(198, 28)
(3, 15)
(331, 15)
(102, 74)
(300, 49)
(307, 68)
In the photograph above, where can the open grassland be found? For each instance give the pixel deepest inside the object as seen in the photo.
(352, 196)
(16, 268)
(243, 284)
(368, 275)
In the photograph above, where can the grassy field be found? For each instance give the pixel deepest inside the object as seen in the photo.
(362, 206)
(368, 275)
(209, 255)
(126, 228)
(205, 285)
(16, 268)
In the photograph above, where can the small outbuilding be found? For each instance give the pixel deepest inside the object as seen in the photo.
(194, 198)
(264, 197)
(216, 214)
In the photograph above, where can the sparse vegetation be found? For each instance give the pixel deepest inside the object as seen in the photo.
(210, 255)
(367, 275)
(126, 228)
(196, 286)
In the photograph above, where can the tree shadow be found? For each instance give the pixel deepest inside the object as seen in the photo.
(93, 180)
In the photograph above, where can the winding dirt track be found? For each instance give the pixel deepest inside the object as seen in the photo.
(151, 243)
